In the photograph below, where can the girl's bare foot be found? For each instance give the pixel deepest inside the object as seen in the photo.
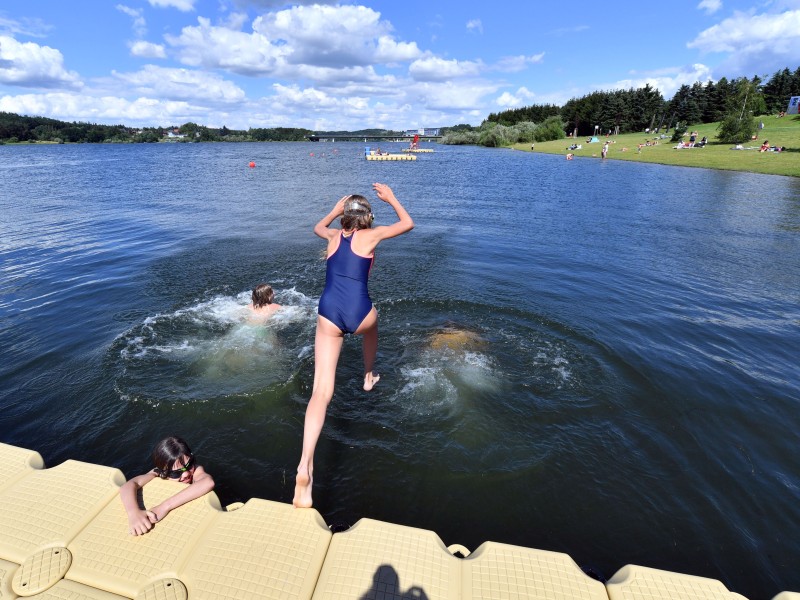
(302, 490)
(370, 379)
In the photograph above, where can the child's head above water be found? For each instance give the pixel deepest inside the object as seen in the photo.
(173, 459)
(262, 295)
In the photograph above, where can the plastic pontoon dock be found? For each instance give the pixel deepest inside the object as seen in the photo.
(64, 536)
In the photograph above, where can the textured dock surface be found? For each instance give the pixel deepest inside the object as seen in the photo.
(64, 536)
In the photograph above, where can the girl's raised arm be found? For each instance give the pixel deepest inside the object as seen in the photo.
(322, 229)
(404, 223)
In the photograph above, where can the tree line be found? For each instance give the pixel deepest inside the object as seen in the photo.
(18, 128)
(734, 103)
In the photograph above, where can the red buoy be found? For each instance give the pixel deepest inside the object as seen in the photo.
(252, 164)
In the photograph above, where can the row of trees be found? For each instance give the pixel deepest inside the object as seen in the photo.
(18, 128)
(494, 134)
(733, 103)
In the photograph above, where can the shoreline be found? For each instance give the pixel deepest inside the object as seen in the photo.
(715, 155)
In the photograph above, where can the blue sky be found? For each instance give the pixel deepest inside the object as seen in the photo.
(374, 63)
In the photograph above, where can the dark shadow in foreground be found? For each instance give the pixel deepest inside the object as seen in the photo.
(386, 586)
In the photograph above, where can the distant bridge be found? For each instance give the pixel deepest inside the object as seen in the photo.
(371, 138)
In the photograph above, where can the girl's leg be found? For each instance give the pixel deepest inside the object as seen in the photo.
(369, 344)
(327, 346)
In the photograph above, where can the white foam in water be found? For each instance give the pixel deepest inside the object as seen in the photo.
(216, 347)
(478, 371)
(426, 389)
(440, 379)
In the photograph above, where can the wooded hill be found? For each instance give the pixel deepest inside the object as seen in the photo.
(626, 111)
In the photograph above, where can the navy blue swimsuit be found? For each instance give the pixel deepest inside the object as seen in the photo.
(345, 300)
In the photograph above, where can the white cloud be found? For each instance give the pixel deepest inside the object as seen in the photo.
(522, 97)
(279, 3)
(433, 68)
(744, 32)
(451, 96)
(147, 49)
(24, 26)
(513, 64)
(352, 80)
(710, 6)
(139, 24)
(667, 81)
(475, 25)
(569, 30)
(181, 5)
(413, 106)
(334, 36)
(180, 84)
(390, 51)
(101, 109)
(289, 42)
(31, 65)
(756, 43)
(313, 99)
(219, 47)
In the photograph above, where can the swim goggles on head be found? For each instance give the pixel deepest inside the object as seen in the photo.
(176, 473)
(354, 207)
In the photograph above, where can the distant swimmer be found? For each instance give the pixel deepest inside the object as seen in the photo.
(344, 307)
(262, 304)
(173, 460)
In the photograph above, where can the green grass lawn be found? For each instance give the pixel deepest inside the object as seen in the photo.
(783, 131)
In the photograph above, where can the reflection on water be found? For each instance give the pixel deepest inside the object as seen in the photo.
(588, 357)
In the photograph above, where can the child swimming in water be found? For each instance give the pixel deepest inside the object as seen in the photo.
(173, 460)
(262, 304)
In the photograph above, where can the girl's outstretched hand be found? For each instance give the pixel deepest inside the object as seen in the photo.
(383, 191)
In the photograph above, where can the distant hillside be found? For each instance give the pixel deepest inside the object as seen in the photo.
(360, 132)
(18, 128)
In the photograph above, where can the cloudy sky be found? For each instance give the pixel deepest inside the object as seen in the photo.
(374, 63)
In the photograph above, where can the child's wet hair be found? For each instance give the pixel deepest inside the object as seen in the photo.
(167, 451)
(262, 295)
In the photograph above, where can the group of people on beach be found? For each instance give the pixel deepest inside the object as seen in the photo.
(344, 308)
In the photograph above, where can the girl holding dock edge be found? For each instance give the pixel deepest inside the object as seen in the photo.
(173, 460)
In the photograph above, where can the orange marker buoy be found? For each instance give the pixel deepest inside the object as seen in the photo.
(252, 164)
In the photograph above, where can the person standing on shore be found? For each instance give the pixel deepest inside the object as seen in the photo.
(604, 152)
(344, 307)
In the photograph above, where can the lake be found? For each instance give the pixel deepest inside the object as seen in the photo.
(627, 390)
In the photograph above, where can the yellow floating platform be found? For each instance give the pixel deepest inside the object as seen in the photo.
(417, 149)
(64, 535)
(391, 157)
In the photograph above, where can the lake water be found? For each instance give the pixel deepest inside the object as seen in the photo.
(629, 392)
